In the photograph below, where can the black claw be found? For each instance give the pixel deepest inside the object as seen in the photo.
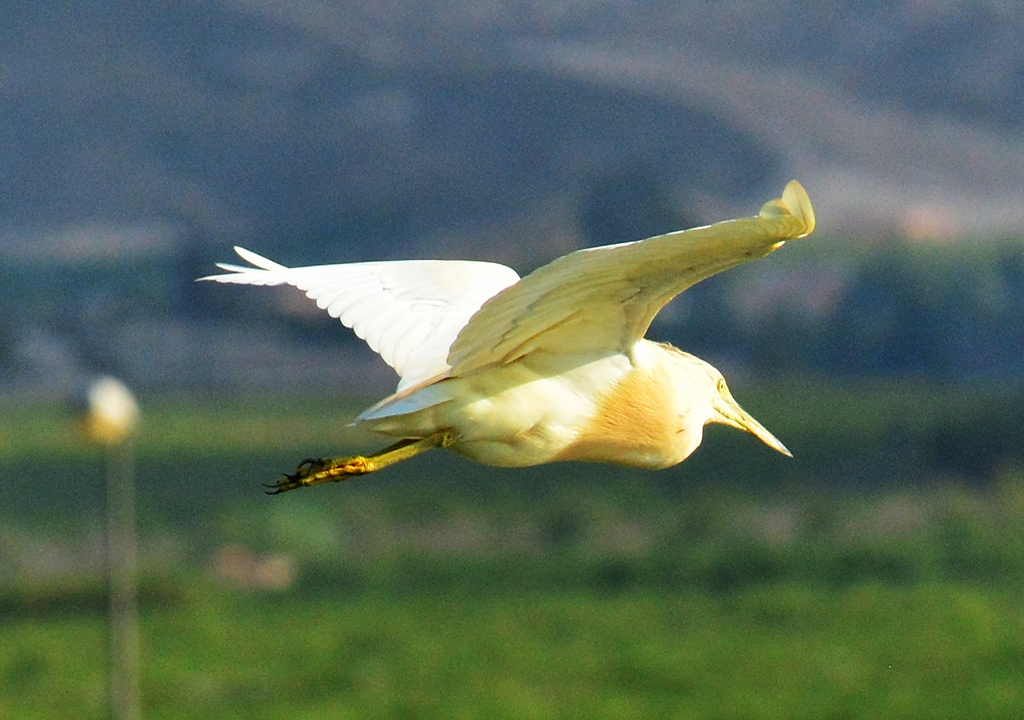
(290, 481)
(278, 487)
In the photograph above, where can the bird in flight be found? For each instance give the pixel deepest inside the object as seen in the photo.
(554, 366)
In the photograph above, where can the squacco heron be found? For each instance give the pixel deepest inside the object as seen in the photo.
(512, 371)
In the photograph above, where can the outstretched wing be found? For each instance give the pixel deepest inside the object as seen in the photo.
(407, 311)
(604, 298)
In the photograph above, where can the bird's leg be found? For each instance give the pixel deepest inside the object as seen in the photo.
(313, 471)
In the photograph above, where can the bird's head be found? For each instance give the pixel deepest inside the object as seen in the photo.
(709, 401)
(727, 411)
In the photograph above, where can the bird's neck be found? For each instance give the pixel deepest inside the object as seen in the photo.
(644, 419)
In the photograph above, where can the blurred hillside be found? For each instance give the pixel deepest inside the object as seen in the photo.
(141, 142)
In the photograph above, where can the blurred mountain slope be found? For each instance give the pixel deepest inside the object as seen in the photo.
(312, 119)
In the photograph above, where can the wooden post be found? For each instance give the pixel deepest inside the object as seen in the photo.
(122, 551)
(110, 421)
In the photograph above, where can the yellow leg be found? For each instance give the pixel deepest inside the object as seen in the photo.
(313, 471)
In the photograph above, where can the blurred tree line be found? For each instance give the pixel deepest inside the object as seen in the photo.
(831, 306)
(847, 309)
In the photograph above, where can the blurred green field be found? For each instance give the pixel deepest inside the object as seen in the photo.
(775, 651)
(877, 574)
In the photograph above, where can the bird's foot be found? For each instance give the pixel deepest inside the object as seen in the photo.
(313, 471)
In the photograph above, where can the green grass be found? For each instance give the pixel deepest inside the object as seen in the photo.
(600, 604)
(852, 581)
(776, 651)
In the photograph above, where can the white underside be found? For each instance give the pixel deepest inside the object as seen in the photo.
(524, 413)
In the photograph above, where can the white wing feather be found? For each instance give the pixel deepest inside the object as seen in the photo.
(407, 311)
(603, 299)
(430, 319)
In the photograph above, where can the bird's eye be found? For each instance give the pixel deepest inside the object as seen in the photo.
(721, 385)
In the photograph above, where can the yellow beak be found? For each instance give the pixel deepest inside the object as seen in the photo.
(730, 413)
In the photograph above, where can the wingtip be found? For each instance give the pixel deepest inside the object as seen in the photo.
(795, 198)
(257, 260)
(793, 203)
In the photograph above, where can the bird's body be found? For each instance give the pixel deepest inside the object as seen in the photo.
(631, 408)
(554, 366)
